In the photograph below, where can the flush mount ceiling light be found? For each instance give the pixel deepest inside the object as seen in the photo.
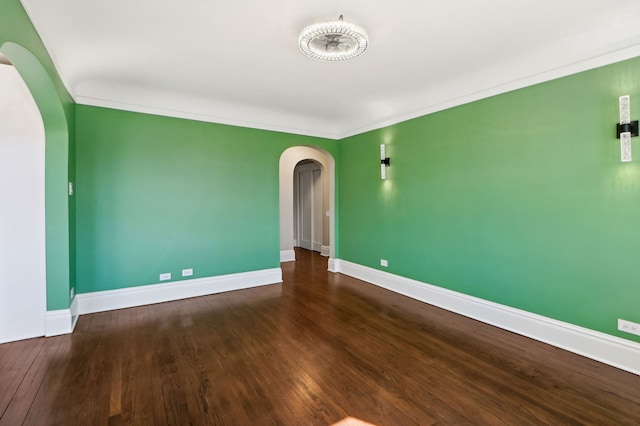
(333, 40)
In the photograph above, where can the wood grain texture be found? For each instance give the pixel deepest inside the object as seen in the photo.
(314, 350)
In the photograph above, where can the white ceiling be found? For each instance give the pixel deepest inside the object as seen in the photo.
(238, 62)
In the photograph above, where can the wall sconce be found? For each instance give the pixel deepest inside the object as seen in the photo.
(626, 128)
(384, 162)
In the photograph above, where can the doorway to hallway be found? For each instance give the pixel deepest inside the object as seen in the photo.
(309, 206)
(318, 233)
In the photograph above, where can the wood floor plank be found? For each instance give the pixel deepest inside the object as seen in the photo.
(43, 379)
(318, 348)
(16, 362)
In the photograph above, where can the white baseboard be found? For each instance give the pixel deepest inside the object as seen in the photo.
(612, 350)
(287, 256)
(333, 265)
(324, 251)
(157, 293)
(58, 322)
(75, 312)
(61, 321)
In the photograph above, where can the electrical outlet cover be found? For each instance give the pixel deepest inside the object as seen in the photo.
(629, 327)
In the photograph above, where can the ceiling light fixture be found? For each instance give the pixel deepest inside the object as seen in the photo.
(333, 40)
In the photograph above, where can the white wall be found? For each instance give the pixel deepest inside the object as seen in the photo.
(22, 221)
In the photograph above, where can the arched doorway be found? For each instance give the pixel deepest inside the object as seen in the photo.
(289, 159)
(58, 204)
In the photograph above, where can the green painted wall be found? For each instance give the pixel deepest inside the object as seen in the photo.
(157, 194)
(20, 42)
(518, 199)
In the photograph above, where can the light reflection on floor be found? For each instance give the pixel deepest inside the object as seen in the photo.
(351, 421)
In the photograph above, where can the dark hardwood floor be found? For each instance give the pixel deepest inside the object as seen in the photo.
(312, 351)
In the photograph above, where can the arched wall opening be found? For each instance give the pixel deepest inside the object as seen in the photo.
(57, 221)
(22, 231)
(288, 161)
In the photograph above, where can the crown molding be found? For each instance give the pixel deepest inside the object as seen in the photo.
(446, 102)
(254, 120)
(444, 98)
